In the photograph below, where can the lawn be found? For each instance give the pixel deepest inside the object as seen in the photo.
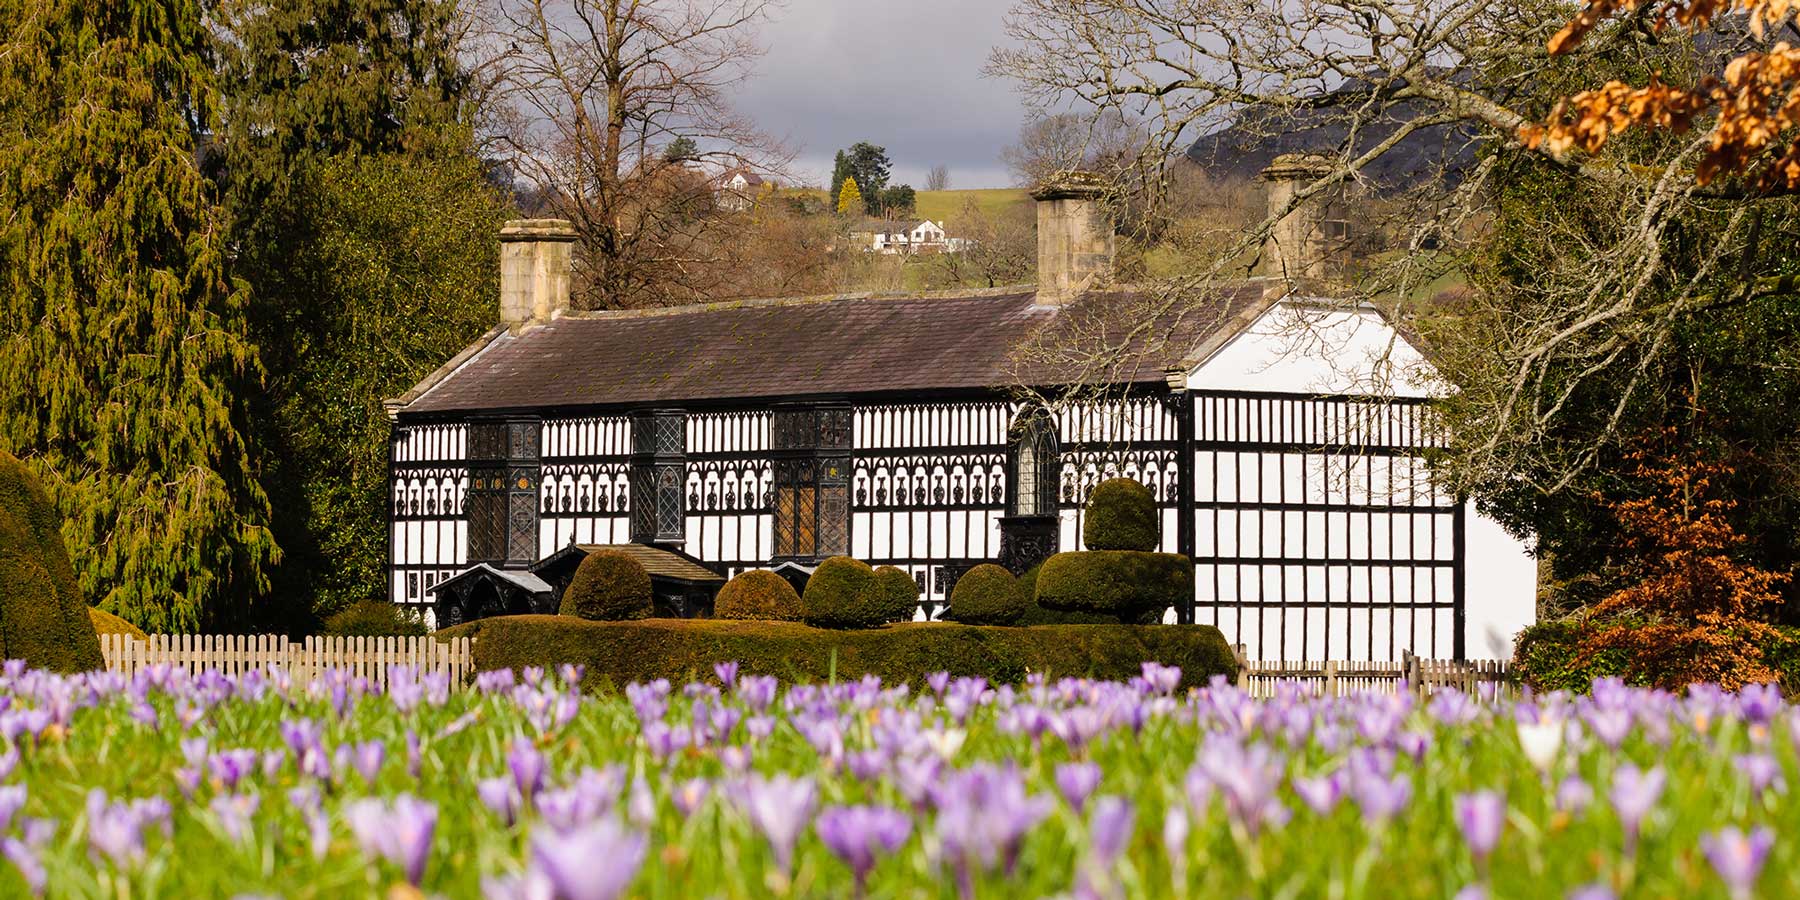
(734, 787)
(942, 205)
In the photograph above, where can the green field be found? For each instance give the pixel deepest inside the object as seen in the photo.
(941, 205)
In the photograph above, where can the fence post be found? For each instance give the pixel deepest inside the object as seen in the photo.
(1331, 677)
(1237, 652)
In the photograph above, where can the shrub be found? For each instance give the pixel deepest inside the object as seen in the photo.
(679, 649)
(43, 618)
(1025, 590)
(1121, 515)
(374, 618)
(899, 594)
(758, 594)
(107, 623)
(1136, 587)
(843, 593)
(987, 595)
(608, 586)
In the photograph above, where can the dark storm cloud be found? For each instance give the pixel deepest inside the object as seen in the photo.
(905, 75)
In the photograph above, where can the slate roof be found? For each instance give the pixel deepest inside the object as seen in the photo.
(525, 580)
(658, 561)
(841, 346)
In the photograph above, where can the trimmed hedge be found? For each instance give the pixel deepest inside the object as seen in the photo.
(374, 618)
(1121, 515)
(43, 618)
(899, 594)
(843, 593)
(681, 649)
(758, 594)
(987, 595)
(1135, 586)
(107, 623)
(608, 586)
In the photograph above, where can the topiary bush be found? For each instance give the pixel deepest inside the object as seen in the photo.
(107, 623)
(618, 653)
(1025, 591)
(758, 594)
(374, 618)
(43, 618)
(608, 586)
(899, 594)
(1121, 515)
(1137, 587)
(987, 595)
(844, 593)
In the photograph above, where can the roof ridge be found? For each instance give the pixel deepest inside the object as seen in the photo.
(800, 300)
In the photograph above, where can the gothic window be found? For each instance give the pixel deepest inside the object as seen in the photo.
(502, 502)
(658, 474)
(1032, 466)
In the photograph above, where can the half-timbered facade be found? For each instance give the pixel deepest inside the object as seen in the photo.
(1282, 436)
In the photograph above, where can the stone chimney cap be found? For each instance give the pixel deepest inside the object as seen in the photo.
(1073, 185)
(1295, 166)
(537, 230)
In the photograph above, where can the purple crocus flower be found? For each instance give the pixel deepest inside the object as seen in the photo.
(727, 672)
(527, 766)
(1761, 771)
(595, 862)
(1320, 794)
(1592, 892)
(25, 859)
(1737, 857)
(756, 691)
(859, 835)
(1633, 794)
(688, 795)
(500, 795)
(1077, 782)
(1110, 831)
(1573, 796)
(366, 758)
(1246, 776)
(12, 799)
(1175, 832)
(1380, 797)
(234, 812)
(1160, 678)
(780, 808)
(399, 832)
(1481, 816)
(938, 681)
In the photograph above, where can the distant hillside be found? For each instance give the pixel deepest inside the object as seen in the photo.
(941, 205)
(1258, 136)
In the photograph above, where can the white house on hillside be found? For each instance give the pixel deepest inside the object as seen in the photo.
(737, 189)
(925, 236)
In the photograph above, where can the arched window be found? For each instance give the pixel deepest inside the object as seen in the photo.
(1032, 466)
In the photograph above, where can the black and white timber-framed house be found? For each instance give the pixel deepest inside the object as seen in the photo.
(911, 431)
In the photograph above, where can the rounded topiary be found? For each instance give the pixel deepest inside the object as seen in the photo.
(758, 594)
(374, 618)
(1121, 515)
(107, 623)
(609, 586)
(1137, 587)
(43, 618)
(843, 593)
(899, 594)
(987, 595)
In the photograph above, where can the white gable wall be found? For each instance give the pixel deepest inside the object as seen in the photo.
(1308, 351)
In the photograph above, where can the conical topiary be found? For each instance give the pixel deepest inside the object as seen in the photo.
(43, 618)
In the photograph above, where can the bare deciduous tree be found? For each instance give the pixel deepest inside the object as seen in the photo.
(1362, 82)
(1000, 247)
(591, 93)
(938, 179)
(1063, 142)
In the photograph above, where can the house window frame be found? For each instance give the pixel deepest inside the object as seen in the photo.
(1033, 430)
(811, 447)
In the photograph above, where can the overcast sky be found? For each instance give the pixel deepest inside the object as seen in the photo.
(902, 74)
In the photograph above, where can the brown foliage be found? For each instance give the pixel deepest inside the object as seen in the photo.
(1756, 104)
(1694, 610)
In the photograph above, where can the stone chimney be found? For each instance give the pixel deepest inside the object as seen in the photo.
(1075, 238)
(1303, 244)
(534, 271)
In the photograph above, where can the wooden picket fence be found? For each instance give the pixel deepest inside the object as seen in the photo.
(235, 654)
(1336, 678)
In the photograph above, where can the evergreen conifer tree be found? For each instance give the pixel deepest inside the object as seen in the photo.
(123, 354)
(368, 228)
(849, 198)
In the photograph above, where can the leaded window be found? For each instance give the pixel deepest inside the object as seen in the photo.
(658, 473)
(812, 481)
(502, 504)
(1033, 466)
